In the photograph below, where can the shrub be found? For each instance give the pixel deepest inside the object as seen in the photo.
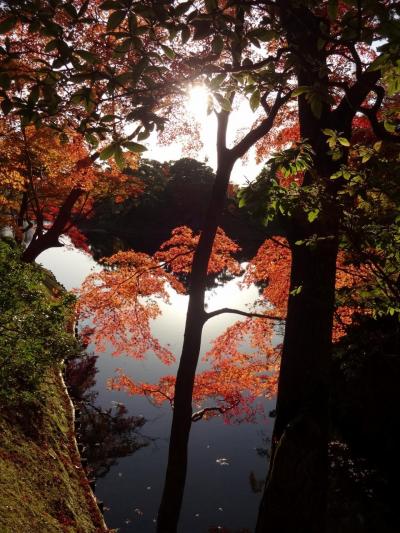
(33, 327)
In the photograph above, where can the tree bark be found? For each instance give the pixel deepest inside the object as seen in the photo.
(171, 501)
(295, 494)
(44, 241)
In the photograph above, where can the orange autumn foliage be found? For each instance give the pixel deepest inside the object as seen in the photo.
(179, 249)
(121, 300)
(230, 387)
(271, 266)
(243, 362)
(36, 164)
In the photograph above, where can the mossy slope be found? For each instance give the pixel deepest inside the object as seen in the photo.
(43, 487)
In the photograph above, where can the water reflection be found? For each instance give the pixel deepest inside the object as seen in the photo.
(132, 486)
(104, 435)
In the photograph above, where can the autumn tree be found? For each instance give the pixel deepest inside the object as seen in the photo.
(63, 73)
(57, 184)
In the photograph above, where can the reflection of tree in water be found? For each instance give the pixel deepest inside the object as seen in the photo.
(105, 435)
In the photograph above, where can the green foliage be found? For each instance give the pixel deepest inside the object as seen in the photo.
(267, 199)
(33, 328)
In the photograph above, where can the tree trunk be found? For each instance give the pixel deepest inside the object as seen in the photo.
(171, 501)
(44, 241)
(294, 499)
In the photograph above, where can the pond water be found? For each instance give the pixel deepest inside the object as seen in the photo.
(227, 462)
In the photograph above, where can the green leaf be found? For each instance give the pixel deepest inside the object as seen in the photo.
(107, 152)
(329, 132)
(216, 82)
(7, 24)
(202, 29)
(51, 45)
(312, 215)
(389, 126)
(6, 106)
(168, 51)
(92, 139)
(380, 62)
(87, 56)
(255, 100)
(119, 158)
(185, 34)
(211, 5)
(296, 290)
(108, 118)
(34, 95)
(378, 146)
(316, 107)
(262, 34)
(143, 135)
(134, 147)
(115, 19)
(5, 81)
(343, 141)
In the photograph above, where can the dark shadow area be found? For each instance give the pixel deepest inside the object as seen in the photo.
(175, 194)
(103, 436)
(364, 458)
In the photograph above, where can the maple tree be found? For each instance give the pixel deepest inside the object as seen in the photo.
(53, 183)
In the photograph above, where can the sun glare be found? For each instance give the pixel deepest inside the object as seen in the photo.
(196, 102)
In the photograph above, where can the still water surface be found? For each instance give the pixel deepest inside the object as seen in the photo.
(227, 462)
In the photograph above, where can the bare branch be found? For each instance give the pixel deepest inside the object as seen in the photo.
(242, 313)
(198, 415)
(378, 127)
(262, 129)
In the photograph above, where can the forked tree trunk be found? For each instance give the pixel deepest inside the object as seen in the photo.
(294, 499)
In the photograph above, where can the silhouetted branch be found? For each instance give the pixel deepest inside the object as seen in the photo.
(243, 313)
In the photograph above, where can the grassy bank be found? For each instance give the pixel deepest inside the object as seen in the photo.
(43, 487)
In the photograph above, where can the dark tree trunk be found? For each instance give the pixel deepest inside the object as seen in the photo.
(49, 239)
(171, 501)
(295, 495)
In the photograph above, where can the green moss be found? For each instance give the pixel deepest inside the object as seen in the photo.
(43, 487)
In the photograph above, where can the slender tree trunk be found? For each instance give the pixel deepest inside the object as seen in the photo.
(294, 499)
(171, 501)
(42, 242)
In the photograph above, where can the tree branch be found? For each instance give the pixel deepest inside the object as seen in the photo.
(262, 129)
(198, 415)
(354, 97)
(242, 313)
(377, 127)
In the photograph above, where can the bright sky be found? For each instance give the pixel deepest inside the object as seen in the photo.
(196, 106)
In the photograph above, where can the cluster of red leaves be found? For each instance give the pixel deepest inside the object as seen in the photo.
(243, 361)
(178, 252)
(351, 278)
(229, 388)
(271, 266)
(121, 301)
